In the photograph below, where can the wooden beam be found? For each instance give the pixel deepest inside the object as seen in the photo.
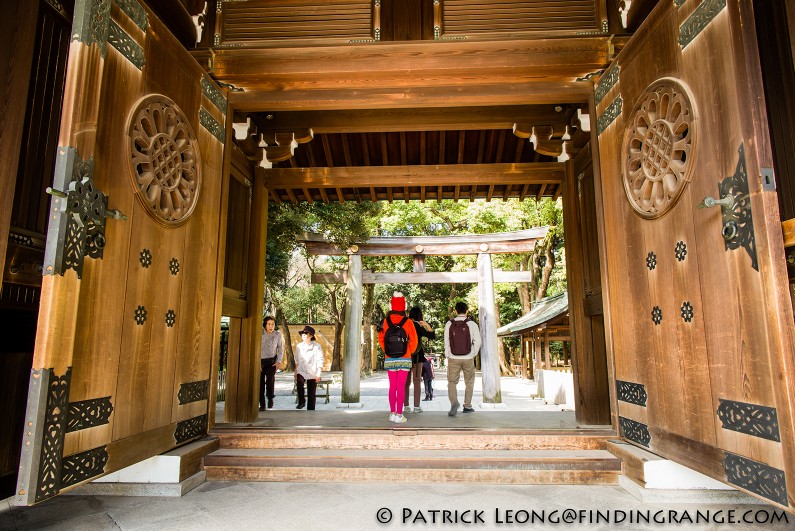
(524, 192)
(417, 75)
(327, 151)
(501, 242)
(373, 197)
(422, 194)
(406, 194)
(456, 193)
(445, 277)
(340, 195)
(384, 150)
(276, 198)
(324, 196)
(541, 191)
(346, 149)
(461, 138)
(500, 146)
(365, 149)
(291, 195)
(403, 156)
(481, 146)
(422, 148)
(446, 175)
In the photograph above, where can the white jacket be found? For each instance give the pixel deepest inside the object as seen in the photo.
(474, 335)
(309, 360)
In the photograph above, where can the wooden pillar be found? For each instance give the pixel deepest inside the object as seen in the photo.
(248, 366)
(352, 360)
(537, 352)
(489, 364)
(547, 365)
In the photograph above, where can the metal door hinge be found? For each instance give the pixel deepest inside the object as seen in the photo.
(77, 215)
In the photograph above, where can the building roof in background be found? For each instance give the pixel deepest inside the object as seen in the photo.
(543, 311)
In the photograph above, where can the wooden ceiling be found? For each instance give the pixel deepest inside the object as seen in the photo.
(410, 99)
(429, 154)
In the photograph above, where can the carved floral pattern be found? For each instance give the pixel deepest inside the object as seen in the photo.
(164, 159)
(658, 147)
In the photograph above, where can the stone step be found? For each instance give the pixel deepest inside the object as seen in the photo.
(412, 438)
(402, 465)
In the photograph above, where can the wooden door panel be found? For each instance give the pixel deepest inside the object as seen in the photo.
(137, 349)
(712, 363)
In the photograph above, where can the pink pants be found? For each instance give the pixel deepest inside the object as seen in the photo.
(397, 390)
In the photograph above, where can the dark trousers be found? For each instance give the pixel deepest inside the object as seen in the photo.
(416, 377)
(267, 380)
(311, 391)
(429, 388)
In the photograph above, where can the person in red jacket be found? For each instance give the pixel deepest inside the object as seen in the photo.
(398, 339)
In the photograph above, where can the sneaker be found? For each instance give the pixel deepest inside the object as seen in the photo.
(392, 417)
(453, 410)
(399, 419)
(300, 406)
(469, 410)
(417, 410)
(427, 398)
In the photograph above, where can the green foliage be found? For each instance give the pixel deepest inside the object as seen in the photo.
(342, 223)
(351, 222)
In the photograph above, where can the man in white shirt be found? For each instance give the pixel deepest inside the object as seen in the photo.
(461, 345)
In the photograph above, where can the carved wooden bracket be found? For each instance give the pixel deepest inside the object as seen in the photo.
(547, 140)
(281, 146)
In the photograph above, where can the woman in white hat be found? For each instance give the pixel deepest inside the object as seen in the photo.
(308, 365)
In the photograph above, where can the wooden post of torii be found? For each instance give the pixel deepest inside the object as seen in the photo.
(482, 245)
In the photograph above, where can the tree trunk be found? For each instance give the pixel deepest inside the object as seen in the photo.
(336, 356)
(523, 288)
(367, 326)
(450, 299)
(547, 271)
(288, 342)
(504, 369)
(536, 266)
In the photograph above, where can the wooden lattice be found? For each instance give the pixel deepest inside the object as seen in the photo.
(658, 148)
(164, 157)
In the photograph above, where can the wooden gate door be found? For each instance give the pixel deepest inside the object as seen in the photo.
(124, 347)
(700, 320)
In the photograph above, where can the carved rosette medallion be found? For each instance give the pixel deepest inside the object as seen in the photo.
(164, 159)
(658, 148)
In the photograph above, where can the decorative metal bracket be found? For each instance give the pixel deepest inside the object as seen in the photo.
(735, 207)
(77, 214)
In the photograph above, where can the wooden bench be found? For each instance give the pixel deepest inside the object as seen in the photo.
(322, 385)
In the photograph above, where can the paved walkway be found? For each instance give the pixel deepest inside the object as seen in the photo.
(238, 506)
(357, 506)
(518, 408)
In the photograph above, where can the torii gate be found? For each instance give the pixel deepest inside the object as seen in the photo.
(483, 245)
